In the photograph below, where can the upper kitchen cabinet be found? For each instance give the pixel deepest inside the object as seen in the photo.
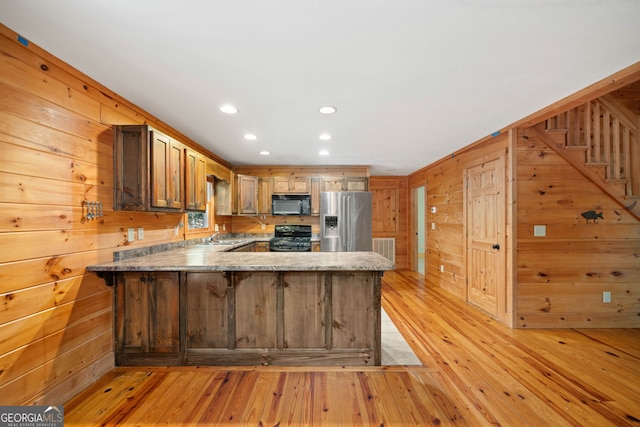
(247, 192)
(149, 170)
(167, 176)
(345, 183)
(291, 184)
(222, 196)
(196, 181)
(264, 196)
(222, 178)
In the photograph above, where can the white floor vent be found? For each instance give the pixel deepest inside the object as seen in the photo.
(385, 247)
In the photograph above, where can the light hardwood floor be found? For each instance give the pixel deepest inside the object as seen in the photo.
(475, 372)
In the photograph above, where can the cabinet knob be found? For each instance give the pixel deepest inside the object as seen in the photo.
(496, 246)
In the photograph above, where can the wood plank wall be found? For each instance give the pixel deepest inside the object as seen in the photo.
(56, 144)
(561, 277)
(444, 190)
(390, 196)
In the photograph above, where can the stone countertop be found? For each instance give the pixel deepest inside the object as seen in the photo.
(206, 257)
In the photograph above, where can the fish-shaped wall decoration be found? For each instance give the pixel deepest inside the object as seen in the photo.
(592, 215)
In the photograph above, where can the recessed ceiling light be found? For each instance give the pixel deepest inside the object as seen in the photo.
(250, 137)
(324, 152)
(228, 109)
(325, 136)
(327, 110)
(264, 153)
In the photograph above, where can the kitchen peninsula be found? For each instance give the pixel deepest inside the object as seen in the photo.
(208, 305)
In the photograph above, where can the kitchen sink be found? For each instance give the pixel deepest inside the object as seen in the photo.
(222, 243)
(226, 242)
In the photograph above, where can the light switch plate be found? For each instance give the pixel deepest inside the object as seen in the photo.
(131, 234)
(140, 233)
(539, 231)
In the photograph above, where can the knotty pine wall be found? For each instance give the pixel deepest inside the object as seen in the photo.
(390, 196)
(56, 144)
(444, 190)
(561, 277)
(556, 281)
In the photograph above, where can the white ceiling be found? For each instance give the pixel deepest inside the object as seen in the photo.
(413, 80)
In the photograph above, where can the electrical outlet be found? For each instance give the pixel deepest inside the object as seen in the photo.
(131, 234)
(140, 233)
(176, 230)
(441, 268)
(433, 225)
(263, 225)
(606, 296)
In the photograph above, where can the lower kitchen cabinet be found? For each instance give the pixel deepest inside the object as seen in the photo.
(247, 318)
(146, 318)
(261, 246)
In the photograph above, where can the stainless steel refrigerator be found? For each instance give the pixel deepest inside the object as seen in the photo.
(345, 221)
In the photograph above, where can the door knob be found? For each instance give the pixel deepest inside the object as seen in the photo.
(496, 246)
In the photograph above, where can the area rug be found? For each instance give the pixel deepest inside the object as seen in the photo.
(395, 350)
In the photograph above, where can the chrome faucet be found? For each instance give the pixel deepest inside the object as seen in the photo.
(212, 238)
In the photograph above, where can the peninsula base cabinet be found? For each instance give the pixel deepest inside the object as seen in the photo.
(146, 320)
(248, 318)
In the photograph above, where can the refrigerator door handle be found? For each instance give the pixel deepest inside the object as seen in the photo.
(344, 217)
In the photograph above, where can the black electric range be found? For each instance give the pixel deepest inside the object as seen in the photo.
(291, 238)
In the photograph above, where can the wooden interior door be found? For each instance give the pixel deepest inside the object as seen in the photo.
(486, 281)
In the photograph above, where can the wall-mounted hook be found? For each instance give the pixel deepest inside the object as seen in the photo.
(93, 210)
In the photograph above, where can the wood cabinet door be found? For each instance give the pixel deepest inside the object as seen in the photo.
(175, 176)
(280, 184)
(166, 172)
(262, 246)
(333, 184)
(131, 170)
(147, 319)
(247, 195)
(222, 196)
(315, 196)
(264, 196)
(132, 308)
(299, 185)
(291, 184)
(356, 184)
(486, 235)
(196, 179)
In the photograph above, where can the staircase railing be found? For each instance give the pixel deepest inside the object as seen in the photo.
(609, 137)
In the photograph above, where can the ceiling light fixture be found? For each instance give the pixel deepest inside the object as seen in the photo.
(250, 137)
(325, 136)
(324, 152)
(264, 153)
(228, 109)
(327, 110)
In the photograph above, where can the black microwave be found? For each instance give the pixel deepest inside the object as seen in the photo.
(290, 204)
